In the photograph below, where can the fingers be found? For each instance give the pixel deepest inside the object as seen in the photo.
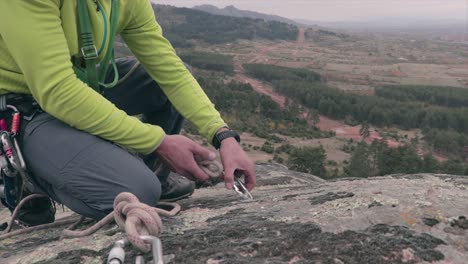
(200, 154)
(250, 179)
(203, 153)
(197, 172)
(229, 177)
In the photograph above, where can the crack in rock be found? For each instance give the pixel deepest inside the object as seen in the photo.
(329, 197)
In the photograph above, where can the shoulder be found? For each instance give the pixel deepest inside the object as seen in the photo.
(135, 3)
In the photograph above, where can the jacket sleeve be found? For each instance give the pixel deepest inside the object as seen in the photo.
(34, 36)
(144, 37)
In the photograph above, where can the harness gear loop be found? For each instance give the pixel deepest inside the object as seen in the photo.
(15, 179)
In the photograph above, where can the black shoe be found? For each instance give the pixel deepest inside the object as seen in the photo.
(37, 211)
(176, 187)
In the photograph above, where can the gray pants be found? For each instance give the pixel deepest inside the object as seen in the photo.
(85, 172)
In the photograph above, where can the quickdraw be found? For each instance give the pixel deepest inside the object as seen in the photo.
(12, 162)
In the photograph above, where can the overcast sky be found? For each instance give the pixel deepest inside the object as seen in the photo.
(343, 10)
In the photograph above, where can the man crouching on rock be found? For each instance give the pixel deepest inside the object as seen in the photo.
(82, 143)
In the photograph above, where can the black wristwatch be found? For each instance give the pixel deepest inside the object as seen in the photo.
(223, 135)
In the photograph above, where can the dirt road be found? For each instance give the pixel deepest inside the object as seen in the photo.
(259, 86)
(301, 37)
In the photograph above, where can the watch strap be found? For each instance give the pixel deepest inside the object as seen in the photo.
(219, 137)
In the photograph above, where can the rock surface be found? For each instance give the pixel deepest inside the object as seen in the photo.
(295, 218)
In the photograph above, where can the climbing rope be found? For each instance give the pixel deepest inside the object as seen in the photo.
(132, 216)
(141, 223)
(138, 219)
(18, 207)
(212, 168)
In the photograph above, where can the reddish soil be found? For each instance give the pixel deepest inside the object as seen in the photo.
(439, 157)
(398, 72)
(258, 86)
(344, 131)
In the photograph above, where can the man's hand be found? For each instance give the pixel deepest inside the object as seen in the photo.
(236, 163)
(178, 153)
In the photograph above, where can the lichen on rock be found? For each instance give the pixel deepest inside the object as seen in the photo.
(295, 218)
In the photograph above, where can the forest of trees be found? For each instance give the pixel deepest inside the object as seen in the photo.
(434, 95)
(437, 121)
(271, 73)
(248, 111)
(308, 160)
(378, 159)
(209, 61)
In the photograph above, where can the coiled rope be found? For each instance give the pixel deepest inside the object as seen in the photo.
(129, 213)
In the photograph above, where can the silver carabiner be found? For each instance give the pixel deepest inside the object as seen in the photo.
(156, 248)
(240, 189)
(139, 259)
(117, 253)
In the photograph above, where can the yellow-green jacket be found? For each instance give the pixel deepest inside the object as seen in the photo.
(37, 38)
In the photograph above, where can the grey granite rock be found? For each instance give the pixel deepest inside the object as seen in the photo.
(295, 218)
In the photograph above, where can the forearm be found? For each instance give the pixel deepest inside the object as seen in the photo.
(144, 37)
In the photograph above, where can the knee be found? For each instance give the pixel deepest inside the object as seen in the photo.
(148, 191)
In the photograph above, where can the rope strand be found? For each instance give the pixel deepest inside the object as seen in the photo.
(129, 213)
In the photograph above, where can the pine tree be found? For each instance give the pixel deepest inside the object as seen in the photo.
(314, 116)
(430, 164)
(365, 130)
(360, 165)
(308, 160)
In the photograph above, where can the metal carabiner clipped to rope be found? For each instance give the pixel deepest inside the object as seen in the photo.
(215, 169)
(156, 249)
(117, 254)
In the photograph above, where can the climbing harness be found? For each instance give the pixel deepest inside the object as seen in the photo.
(13, 172)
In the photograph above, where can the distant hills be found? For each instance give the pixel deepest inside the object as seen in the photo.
(390, 23)
(383, 24)
(233, 11)
(182, 25)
